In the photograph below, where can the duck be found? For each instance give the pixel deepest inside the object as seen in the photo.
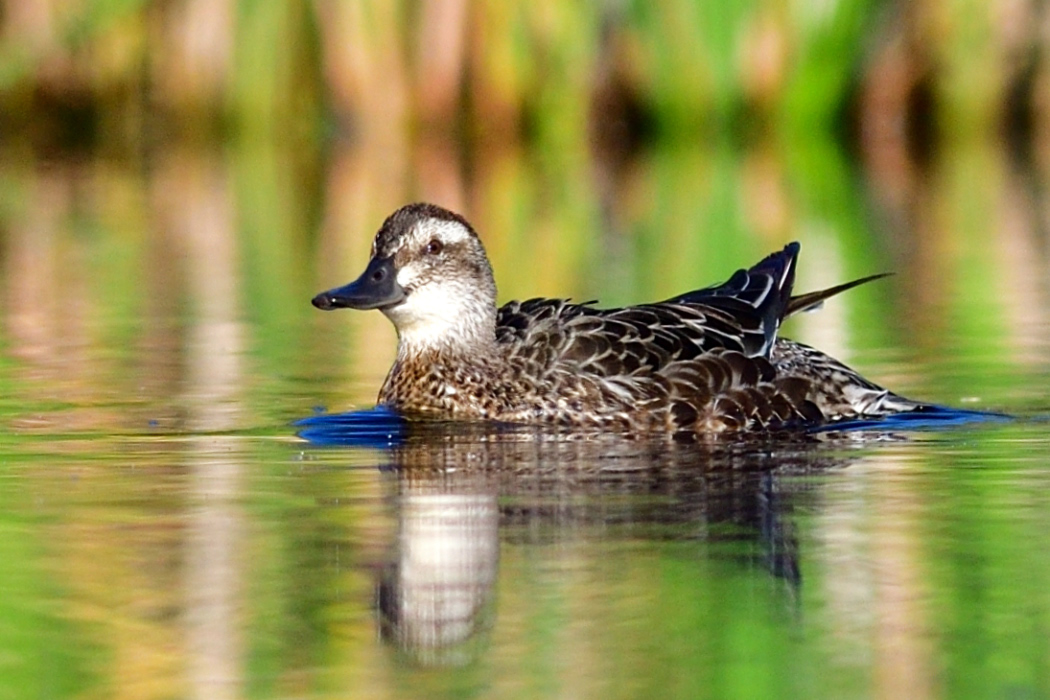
(704, 363)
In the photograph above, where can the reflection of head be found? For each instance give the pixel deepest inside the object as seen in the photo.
(434, 601)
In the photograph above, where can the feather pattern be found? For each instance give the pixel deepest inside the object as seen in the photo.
(702, 363)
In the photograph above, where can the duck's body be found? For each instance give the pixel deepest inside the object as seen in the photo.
(702, 363)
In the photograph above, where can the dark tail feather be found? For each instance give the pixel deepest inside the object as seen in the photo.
(780, 266)
(767, 283)
(813, 300)
(762, 291)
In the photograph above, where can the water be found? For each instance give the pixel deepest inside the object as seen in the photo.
(164, 532)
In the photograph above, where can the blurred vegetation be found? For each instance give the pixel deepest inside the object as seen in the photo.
(130, 71)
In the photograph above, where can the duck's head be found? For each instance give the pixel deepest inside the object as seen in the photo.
(429, 274)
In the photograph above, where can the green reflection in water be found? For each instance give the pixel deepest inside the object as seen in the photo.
(921, 563)
(43, 653)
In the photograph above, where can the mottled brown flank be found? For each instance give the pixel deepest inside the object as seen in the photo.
(573, 365)
(706, 362)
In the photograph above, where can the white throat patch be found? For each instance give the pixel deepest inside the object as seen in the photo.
(441, 313)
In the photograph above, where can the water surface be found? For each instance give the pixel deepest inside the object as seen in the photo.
(164, 532)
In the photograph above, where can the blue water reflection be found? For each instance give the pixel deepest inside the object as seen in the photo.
(928, 418)
(375, 427)
(382, 427)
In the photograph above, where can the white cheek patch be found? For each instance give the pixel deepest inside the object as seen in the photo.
(407, 275)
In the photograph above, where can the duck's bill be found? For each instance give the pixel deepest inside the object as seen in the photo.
(376, 288)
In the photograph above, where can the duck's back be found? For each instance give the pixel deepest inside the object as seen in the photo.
(705, 361)
(654, 367)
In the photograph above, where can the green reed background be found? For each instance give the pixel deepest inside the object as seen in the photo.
(484, 70)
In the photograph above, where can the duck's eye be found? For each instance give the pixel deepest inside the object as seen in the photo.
(434, 247)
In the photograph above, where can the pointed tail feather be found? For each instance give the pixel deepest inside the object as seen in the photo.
(814, 300)
(766, 288)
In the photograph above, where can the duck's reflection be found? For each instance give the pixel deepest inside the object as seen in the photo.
(459, 493)
(434, 599)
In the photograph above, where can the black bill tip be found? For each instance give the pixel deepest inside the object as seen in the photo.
(324, 301)
(376, 288)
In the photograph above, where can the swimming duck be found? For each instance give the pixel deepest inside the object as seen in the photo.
(705, 362)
